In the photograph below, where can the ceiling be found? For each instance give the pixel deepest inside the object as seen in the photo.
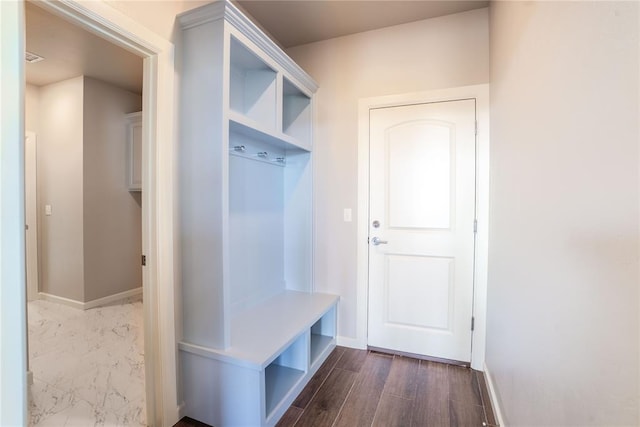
(296, 22)
(70, 51)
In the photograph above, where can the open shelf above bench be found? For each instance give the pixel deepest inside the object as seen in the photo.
(245, 126)
(252, 90)
(296, 113)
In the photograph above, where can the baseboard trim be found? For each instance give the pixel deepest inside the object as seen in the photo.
(497, 411)
(93, 303)
(351, 343)
(62, 300)
(113, 298)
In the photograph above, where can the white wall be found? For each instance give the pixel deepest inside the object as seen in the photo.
(60, 185)
(162, 18)
(562, 343)
(436, 53)
(31, 108)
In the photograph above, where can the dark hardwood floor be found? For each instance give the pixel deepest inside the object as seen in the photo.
(365, 388)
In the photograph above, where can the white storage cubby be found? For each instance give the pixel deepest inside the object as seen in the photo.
(253, 329)
(282, 375)
(252, 89)
(322, 336)
(296, 113)
(277, 346)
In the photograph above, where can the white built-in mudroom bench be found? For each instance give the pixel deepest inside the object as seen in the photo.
(253, 329)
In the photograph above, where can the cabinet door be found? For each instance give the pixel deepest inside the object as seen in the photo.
(134, 151)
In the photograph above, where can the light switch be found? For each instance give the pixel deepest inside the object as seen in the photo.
(47, 210)
(347, 215)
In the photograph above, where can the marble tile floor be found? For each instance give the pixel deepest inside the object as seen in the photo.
(88, 366)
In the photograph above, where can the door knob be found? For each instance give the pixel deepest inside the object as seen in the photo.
(376, 241)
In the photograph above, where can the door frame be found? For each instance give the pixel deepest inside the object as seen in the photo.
(481, 94)
(13, 326)
(158, 171)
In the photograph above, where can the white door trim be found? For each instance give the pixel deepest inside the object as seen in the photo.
(13, 327)
(158, 181)
(481, 94)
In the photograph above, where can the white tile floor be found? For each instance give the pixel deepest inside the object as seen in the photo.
(88, 366)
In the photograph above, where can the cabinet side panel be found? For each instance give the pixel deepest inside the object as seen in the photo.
(220, 394)
(298, 222)
(203, 197)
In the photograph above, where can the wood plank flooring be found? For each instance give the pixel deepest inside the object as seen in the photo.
(365, 388)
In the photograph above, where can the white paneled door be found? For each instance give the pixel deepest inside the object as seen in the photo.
(421, 228)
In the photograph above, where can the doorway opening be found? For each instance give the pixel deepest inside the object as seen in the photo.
(83, 227)
(157, 201)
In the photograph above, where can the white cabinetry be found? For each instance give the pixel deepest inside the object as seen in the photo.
(254, 331)
(134, 151)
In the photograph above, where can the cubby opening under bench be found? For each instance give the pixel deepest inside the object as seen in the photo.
(254, 330)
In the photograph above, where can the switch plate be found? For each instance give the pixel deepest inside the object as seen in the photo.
(47, 210)
(347, 215)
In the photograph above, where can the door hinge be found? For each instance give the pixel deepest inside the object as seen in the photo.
(476, 128)
(144, 260)
(473, 323)
(475, 225)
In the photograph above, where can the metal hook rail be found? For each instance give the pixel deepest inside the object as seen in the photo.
(261, 156)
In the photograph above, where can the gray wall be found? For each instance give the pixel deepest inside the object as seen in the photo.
(112, 215)
(431, 54)
(562, 343)
(91, 244)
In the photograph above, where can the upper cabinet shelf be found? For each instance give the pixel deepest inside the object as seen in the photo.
(296, 113)
(265, 99)
(242, 125)
(252, 88)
